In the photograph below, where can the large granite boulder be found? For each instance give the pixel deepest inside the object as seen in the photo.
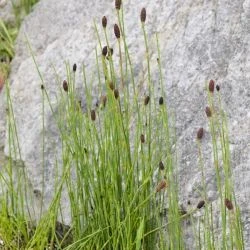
(199, 40)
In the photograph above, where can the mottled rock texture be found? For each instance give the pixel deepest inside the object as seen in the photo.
(199, 40)
(6, 11)
(10, 8)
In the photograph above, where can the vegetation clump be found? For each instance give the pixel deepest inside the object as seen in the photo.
(8, 34)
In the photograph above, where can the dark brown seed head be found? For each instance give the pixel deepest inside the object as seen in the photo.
(118, 4)
(161, 165)
(143, 15)
(229, 204)
(104, 22)
(104, 100)
(208, 112)
(161, 100)
(65, 86)
(201, 204)
(104, 50)
(146, 100)
(117, 31)
(218, 87)
(111, 85)
(116, 93)
(92, 114)
(142, 137)
(200, 133)
(74, 67)
(211, 86)
(42, 87)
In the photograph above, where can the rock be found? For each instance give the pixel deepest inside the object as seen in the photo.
(10, 8)
(6, 11)
(199, 40)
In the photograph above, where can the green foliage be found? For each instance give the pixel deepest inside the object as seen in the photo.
(22, 8)
(7, 37)
(8, 33)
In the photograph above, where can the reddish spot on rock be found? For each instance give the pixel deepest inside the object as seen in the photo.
(2, 80)
(161, 185)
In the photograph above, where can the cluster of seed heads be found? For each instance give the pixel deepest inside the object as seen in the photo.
(208, 110)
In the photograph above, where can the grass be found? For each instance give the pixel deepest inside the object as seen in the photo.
(118, 170)
(8, 34)
(22, 8)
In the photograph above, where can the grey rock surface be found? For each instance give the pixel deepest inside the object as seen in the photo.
(6, 11)
(199, 40)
